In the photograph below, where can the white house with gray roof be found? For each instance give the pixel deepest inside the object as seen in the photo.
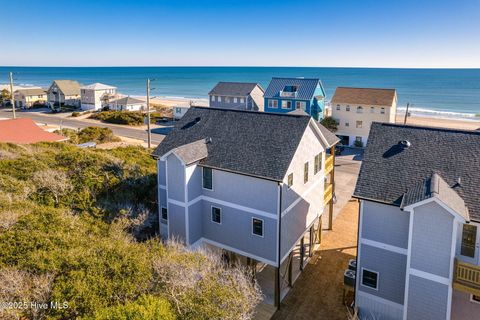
(96, 96)
(127, 104)
(256, 195)
(418, 243)
(237, 95)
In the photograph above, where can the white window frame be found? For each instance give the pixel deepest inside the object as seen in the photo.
(473, 300)
(300, 105)
(372, 109)
(338, 107)
(359, 109)
(263, 227)
(361, 124)
(211, 214)
(293, 181)
(347, 108)
(161, 214)
(242, 100)
(286, 102)
(378, 278)
(382, 110)
(347, 124)
(212, 98)
(235, 99)
(202, 179)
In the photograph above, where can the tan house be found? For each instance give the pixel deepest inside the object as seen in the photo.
(97, 95)
(64, 92)
(356, 108)
(27, 98)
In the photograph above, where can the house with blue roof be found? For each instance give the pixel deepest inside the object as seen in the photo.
(284, 95)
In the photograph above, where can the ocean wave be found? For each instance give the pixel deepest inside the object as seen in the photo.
(423, 112)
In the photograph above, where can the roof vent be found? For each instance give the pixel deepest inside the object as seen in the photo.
(405, 143)
(459, 182)
(208, 140)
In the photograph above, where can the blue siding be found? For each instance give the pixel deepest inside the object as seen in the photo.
(426, 299)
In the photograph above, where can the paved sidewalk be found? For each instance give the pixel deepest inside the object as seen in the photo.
(317, 294)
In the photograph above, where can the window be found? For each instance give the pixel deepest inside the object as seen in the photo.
(372, 110)
(216, 215)
(229, 100)
(257, 227)
(347, 124)
(301, 105)
(290, 180)
(235, 100)
(207, 178)
(242, 100)
(347, 108)
(305, 172)
(382, 111)
(338, 107)
(359, 109)
(286, 104)
(469, 239)
(474, 298)
(218, 98)
(178, 110)
(164, 214)
(318, 163)
(290, 89)
(359, 124)
(358, 139)
(212, 98)
(370, 278)
(272, 103)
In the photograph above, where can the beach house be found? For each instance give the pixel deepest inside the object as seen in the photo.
(96, 96)
(284, 95)
(29, 97)
(127, 104)
(251, 185)
(64, 92)
(418, 242)
(237, 95)
(355, 109)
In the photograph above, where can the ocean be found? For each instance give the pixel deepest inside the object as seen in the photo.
(446, 93)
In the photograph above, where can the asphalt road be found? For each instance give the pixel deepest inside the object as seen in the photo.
(119, 130)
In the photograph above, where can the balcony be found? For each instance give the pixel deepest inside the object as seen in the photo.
(328, 164)
(467, 277)
(288, 94)
(328, 193)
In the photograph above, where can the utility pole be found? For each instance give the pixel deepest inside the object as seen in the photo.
(12, 96)
(149, 138)
(406, 114)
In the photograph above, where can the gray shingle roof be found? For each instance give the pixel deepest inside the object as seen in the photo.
(234, 88)
(389, 170)
(251, 143)
(435, 187)
(306, 87)
(330, 137)
(192, 152)
(128, 101)
(68, 87)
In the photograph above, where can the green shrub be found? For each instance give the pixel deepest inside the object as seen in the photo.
(95, 134)
(147, 307)
(132, 118)
(75, 114)
(358, 144)
(330, 123)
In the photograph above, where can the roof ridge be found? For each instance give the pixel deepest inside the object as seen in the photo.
(432, 128)
(252, 111)
(368, 88)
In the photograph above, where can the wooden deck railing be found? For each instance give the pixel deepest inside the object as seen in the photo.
(467, 277)
(328, 164)
(328, 194)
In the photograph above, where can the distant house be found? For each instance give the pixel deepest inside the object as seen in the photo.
(216, 191)
(27, 98)
(127, 104)
(355, 109)
(284, 95)
(97, 95)
(419, 219)
(179, 111)
(237, 95)
(25, 131)
(64, 92)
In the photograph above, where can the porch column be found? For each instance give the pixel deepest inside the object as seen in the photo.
(332, 181)
(302, 253)
(290, 269)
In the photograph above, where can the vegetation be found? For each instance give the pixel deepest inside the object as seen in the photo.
(4, 96)
(95, 134)
(131, 118)
(77, 228)
(75, 114)
(330, 123)
(358, 144)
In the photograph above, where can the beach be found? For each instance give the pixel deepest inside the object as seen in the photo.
(440, 122)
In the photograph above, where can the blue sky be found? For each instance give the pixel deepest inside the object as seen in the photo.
(382, 33)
